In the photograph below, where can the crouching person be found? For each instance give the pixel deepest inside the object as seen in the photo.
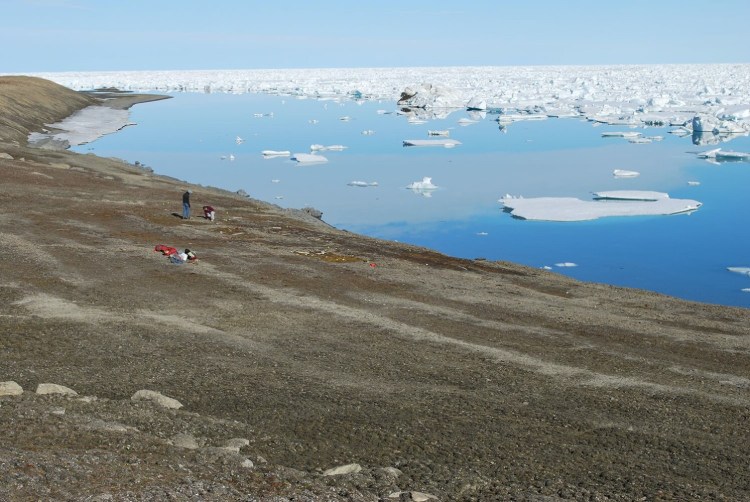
(209, 213)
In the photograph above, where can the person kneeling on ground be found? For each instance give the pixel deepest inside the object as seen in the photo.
(180, 258)
(209, 213)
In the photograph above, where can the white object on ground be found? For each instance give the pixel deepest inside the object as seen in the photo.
(623, 173)
(308, 158)
(447, 143)
(85, 125)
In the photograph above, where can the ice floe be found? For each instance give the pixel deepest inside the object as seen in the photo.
(711, 99)
(566, 264)
(276, 153)
(447, 142)
(621, 134)
(308, 158)
(362, 184)
(624, 173)
(442, 132)
(740, 270)
(316, 147)
(574, 209)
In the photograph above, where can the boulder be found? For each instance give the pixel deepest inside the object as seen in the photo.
(157, 398)
(52, 388)
(10, 388)
(343, 469)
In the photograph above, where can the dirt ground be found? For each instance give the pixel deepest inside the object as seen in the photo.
(461, 379)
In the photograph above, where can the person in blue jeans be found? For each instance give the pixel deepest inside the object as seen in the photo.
(186, 205)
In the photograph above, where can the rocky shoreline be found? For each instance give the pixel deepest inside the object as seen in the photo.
(313, 364)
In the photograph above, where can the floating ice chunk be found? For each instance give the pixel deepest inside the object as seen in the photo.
(323, 147)
(308, 158)
(630, 195)
(313, 121)
(740, 270)
(231, 157)
(476, 104)
(444, 132)
(239, 140)
(566, 264)
(621, 134)
(466, 122)
(447, 143)
(276, 153)
(423, 188)
(640, 141)
(363, 184)
(623, 173)
(425, 184)
(572, 209)
(368, 132)
(275, 181)
(745, 290)
(482, 234)
(709, 154)
(694, 183)
(730, 155)
(345, 118)
(381, 112)
(547, 267)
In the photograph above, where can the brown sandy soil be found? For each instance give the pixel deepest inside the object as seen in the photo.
(476, 380)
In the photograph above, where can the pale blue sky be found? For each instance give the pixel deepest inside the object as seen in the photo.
(91, 35)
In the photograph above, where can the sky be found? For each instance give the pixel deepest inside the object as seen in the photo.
(103, 35)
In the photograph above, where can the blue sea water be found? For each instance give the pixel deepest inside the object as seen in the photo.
(192, 136)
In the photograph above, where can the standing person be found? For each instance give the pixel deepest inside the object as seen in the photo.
(186, 205)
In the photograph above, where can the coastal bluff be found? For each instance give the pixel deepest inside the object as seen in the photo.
(296, 361)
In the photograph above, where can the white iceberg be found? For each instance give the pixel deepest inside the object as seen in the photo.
(447, 143)
(363, 184)
(423, 188)
(308, 158)
(239, 140)
(443, 132)
(566, 264)
(624, 173)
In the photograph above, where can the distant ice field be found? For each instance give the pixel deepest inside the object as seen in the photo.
(216, 139)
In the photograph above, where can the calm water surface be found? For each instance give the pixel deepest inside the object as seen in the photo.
(682, 255)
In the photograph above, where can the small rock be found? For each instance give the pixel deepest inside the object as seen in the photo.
(390, 472)
(248, 464)
(52, 388)
(156, 397)
(10, 388)
(6, 156)
(60, 165)
(343, 469)
(236, 443)
(185, 441)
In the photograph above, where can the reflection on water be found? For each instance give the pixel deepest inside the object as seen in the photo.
(363, 185)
